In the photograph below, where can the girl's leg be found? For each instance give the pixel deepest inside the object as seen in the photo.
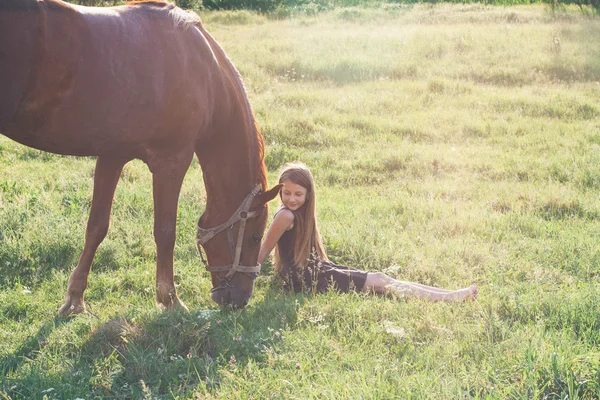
(431, 288)
(403, 289)
(380, 283)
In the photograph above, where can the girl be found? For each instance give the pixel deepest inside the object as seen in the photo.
(300, 258)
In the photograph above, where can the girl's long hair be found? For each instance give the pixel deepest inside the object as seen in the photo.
(308, 241)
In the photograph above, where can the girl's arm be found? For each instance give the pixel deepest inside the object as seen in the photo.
(283, 221)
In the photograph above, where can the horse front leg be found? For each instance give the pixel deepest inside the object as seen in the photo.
(166, 187)
(106, 177)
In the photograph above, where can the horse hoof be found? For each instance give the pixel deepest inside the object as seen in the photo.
(178, 305)
(181, 307)
(71, 308)
(175, 305)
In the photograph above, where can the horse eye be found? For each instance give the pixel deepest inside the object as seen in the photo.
(256, 238)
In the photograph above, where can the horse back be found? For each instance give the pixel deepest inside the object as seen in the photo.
(127, 79)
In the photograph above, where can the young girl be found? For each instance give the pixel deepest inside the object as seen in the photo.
(300, 258)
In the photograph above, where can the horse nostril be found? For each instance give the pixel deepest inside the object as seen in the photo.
(239, 306)
(242, 302)
(221, 297)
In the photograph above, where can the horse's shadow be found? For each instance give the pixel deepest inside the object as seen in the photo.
(162, 353)
(30, 347)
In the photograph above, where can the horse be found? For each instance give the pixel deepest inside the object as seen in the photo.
(141, 81)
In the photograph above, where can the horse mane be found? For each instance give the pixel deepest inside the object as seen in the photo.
(256, 138)
(155, 3)
(184, 18)
(181, 18)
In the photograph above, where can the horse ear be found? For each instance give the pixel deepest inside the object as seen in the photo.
(269, 195)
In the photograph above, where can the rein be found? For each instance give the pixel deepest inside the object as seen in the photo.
(240, 215)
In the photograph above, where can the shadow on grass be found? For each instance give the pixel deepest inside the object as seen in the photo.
(32, 264)
(161, 354)
(30, 348)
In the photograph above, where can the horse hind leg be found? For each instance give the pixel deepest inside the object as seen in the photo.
(166, 182)
(106, 177)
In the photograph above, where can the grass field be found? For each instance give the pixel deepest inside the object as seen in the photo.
(450, 144)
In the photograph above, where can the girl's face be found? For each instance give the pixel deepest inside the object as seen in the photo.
(293, 195)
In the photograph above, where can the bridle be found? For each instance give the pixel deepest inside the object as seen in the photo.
(240, 215)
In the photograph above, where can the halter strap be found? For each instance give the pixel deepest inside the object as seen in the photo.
(240, 215)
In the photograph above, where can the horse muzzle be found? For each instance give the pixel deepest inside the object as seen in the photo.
(228, 296)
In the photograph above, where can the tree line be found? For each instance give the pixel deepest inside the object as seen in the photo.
(269, 6)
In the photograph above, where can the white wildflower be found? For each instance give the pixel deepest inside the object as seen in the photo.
(206, 314)
(393, 330)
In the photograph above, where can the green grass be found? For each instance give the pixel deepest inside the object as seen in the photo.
(450, 145)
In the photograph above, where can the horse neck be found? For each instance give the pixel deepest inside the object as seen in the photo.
(232, 166)
(232, 160)
(20, 22)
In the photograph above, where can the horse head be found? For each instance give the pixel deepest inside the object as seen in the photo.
(232, 249)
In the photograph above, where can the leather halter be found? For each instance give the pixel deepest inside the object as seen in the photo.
(240, 215)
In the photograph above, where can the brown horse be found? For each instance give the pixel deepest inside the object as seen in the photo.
(144, 81)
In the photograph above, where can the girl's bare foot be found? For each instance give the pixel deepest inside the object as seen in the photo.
(465, 294)
(474, 292)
